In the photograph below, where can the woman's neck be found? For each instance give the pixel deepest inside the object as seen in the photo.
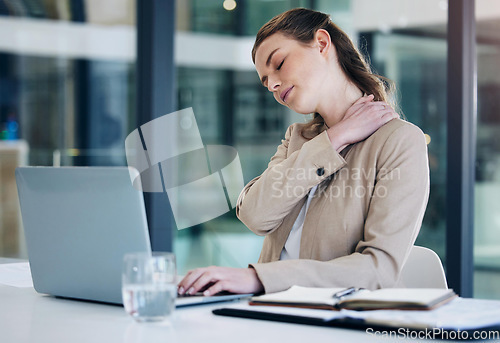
(335, 106)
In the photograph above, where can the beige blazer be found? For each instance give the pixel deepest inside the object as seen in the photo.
(362, 220)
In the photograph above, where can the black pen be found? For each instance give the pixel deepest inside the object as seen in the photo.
(345, 292)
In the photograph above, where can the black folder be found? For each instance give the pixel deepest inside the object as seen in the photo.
(489, 326)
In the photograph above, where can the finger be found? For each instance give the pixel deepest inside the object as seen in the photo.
(216, 288)
(395, 114)
(181, 284)
(368, 110)
(376, 104)
(363, 99)
(381, 102)
(207, 286)
(189, 279)
(389, 109)
(378, 110)
(359, 106)
(380, 107)
(388, 116)
(202, 281)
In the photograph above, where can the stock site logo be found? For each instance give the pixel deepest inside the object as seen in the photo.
(202, 182)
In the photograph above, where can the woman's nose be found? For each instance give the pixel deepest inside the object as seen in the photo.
(273, 84)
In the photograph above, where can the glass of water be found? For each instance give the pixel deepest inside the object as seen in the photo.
(149, 285)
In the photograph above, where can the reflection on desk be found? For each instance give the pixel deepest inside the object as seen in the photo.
(26, 316)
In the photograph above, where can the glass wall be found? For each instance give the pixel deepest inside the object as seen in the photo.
(234, 18)
(415, 59)
(67, 97)
(67, 91)
(487, 187)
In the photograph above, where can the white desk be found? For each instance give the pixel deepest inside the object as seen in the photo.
(26, 316)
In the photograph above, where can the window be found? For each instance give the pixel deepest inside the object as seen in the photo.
(67, 92)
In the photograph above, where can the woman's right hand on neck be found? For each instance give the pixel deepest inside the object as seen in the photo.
(362, 119)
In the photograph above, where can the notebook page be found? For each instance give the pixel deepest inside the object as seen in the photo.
(16, 274)
(422, 296)
(303, 295)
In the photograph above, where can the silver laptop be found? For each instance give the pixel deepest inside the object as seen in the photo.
(79, 222)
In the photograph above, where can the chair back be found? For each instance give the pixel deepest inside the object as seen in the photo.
(423, 269)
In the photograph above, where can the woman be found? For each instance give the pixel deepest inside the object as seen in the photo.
(342, 200)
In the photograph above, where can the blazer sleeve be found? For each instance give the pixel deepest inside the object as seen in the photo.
(392, 223)
(266, 200)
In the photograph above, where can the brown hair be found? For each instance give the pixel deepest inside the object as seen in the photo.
(301, 24)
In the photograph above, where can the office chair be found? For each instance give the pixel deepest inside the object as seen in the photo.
(423, 269)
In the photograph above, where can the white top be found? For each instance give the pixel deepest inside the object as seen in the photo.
(292, 246)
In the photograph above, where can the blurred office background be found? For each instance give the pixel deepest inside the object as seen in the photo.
(68, 97)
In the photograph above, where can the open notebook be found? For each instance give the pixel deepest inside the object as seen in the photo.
(359, 299)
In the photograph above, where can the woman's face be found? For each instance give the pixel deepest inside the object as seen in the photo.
(296, 73)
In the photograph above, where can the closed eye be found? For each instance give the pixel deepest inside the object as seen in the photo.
(279, 67)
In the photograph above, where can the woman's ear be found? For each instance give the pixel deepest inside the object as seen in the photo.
(323, 41)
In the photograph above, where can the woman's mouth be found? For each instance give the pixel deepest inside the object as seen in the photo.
(284, 95)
